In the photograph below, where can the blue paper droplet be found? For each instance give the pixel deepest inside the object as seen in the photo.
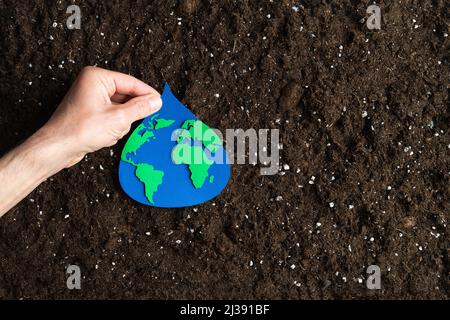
(176, 188)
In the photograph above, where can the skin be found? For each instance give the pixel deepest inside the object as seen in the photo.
(97, 111)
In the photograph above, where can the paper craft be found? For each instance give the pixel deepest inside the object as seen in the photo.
(172, 159)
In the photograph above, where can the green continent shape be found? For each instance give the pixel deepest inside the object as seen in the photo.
(147, 174)
(163, 123)
(194, 156)
(197, 162)
(197, 130)
(141, 135)
(150, 177)
(135, 141)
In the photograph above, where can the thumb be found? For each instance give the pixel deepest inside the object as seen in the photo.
(143, 106)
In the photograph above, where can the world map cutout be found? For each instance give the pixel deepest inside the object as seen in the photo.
(172, 159)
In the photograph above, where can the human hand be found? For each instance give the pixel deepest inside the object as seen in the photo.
(98, 111)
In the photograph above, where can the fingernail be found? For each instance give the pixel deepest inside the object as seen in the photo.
(155, 103)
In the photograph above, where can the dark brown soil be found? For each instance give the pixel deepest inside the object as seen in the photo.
(284, 71)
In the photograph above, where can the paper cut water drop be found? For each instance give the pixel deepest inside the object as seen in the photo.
(173, 159)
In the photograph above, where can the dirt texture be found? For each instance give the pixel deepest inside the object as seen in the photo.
(364, 125)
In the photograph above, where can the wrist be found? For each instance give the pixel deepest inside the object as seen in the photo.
(47, 153)
(28, 165)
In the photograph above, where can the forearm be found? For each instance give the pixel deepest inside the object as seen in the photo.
(27, 166)
(97, 111)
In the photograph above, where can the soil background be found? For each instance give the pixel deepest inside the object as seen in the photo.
(364, 112)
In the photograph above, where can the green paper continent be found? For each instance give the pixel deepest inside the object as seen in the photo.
(146, 173)
(150, 177)
(193, 155)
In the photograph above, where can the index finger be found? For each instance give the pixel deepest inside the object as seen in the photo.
(125, 84)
